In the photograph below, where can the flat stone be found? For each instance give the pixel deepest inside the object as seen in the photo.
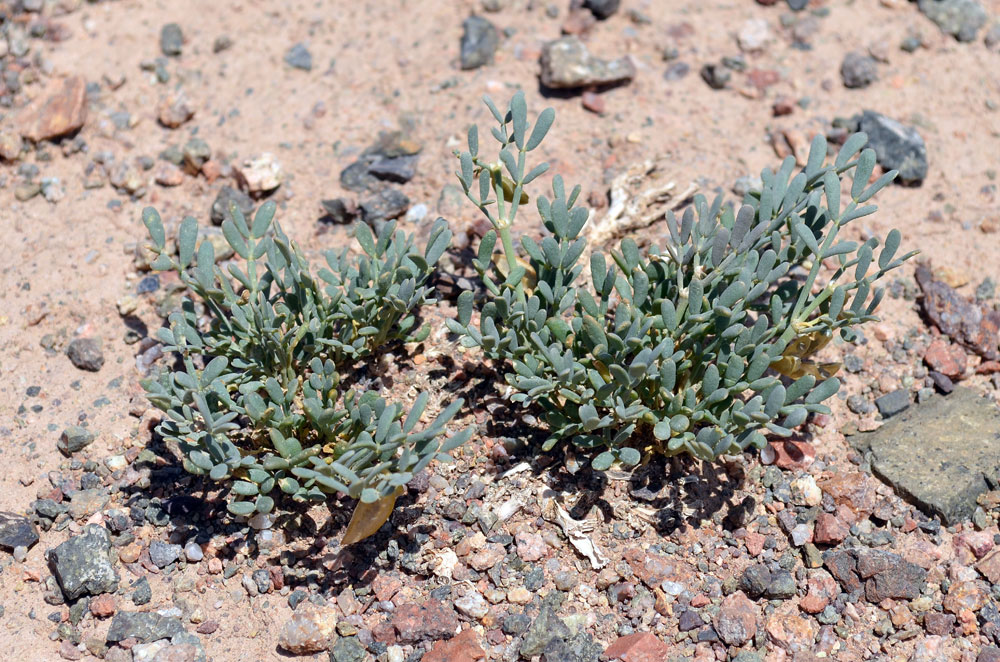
(146, 626)
(637, 647)
(399, 169)
(348, 649)
(59, 110)
(384, 206)
(85, 354)
(432, 619)
(893, 403)
(897, 147)
(81, 564)
(479, 42)
(567, 64)
(941, 455)
(16, 531)
(74, 439)
(961, 19)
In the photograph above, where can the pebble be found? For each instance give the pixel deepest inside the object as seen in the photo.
(174, 110)
(602, 9)
(479, 42)
(85, 354)
(299, 57)
(960, 18)
(309, 629)
(171, 40)
(736, 620)
(567, 64)
(17, 533)
(897, 147)
(74, 439)
(858, 70)
(716, 75)
(81, 564)
(228, 195)
(60, 109)
(473, 605)
(260, 174)
(754, 36)
(163, 554)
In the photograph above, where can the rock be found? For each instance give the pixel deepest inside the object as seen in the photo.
(782, 586)
(167, 174)
(884, 574)
(145, 626)
(543, 630)
(59, 110)
(789, 454)
(163, 554)
(637, 647)
(142, 593)
(854, 490)
(81, 564)
(990, 567)
(463, 647)
(897, 147)
(602, 9)
(939, 624)
(11, 145)
(754, 36)
(479, 42)
(530, 546)
(858, 70)
(893, 403)
(580, 647)
(432, 619)
(960, 18)
(945, 359)
(348, 649)
(399, 169)
(989, 654)
(16, 531)
(259, 175)
(299, 57)
(339, 211)
(992, 38)
(384, 206)
(967, 322)
(84, 503)
(567, 64)
(969, 595)
(74, 439)
(171, 40)
(716, 75)
(85, 354)
(309, 630)
(805, 491)
(823, 589)
(941, 455)
(103, 605)
(755, 580)
(736, 620)
(196, 153)
(787, 629)
(227, 196)
(829, 530)
(473, 605)
(174, 110)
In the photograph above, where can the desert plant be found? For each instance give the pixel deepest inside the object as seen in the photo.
(680, 348)
(256, 397)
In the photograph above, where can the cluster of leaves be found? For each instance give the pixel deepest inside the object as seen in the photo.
(702, 346)
(255, 398)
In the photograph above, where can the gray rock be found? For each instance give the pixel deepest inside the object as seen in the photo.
(602, 9)
(676, 71)
(16, 531)
(81, 564)
(229, 195)
(893, 403)
(171, 40)
(689, 620)
(716, 75)
(578, 648)
(858, 70)
(74, 439)
(782, 586)
(196, 151)
(941, 455)
(163, 554)
(567, 64)
(889, 575)
(141, 593)
(544, 629)
(85, 354)
(348, 649)
(146, 626)
(896, 146)
(960, 18)
(992, 38)
(338, 211)
(384, 206)
(299, 57)
(399, 169)
(479, 42)
(755, 580)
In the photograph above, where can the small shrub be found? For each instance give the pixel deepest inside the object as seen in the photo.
(680, 348)
(256, 397)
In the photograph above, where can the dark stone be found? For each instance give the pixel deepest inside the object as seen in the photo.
(716, 75)
(515, 624)
(858, 70)
(16, 531)
(81, 564)
(356, 177)
(897, 147)
(961, 19)
(797, 5)
(85, 354)
(989, 654)
(48, 508)
(227, 196)
(544, 629)
(939, 623)
(567, 64)
(163, 554)
(171, 40)
(348, 649)
(578, 648)
(602, 9)
(400, 169)
(148, 284)
(893, 403)
(941, 455)
(479, 42)
(74, 439)
(299, 57)
(689, 620)
(842, 564)
(782, 586)
(755, 580)
(943, 383)
(889, 576)
(146, 626)
(262, 579)
(676, 71)
(967, 322)
(141, 592)
(338, 211)
(384, 206)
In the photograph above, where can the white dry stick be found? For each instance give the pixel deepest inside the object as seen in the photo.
(576, 530)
